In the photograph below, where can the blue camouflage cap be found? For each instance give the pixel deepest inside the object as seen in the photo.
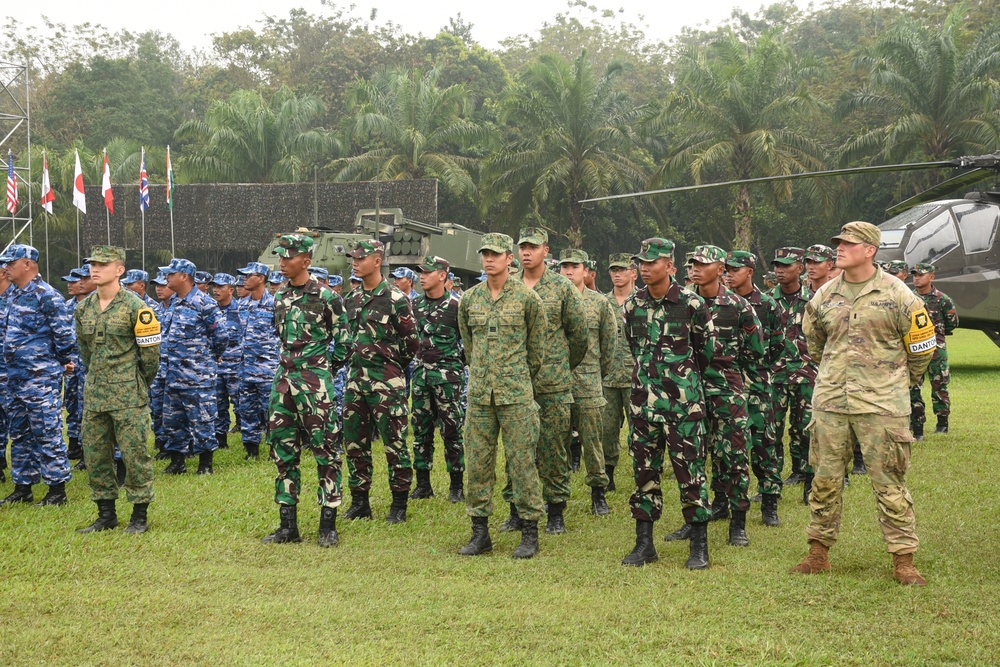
(451, 276)
(482, 276)
(223, 279)
(202, 277)
(355, 279)
(81, 272)
(160, 279)
(319, 272)
(255, 267)
(134, 276)
(178, 265)
(404, 272)
(70, 278)
(19, 251)
(336, 279)
(241, 280)
(275, 277)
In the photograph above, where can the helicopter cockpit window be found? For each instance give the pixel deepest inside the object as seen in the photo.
(978, 224)
(932, 240)
(894, 229)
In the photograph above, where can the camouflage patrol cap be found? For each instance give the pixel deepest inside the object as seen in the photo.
(19, 251)
(708, 254)
(135, 276)
(592, 264)
(653, 249)
(515, 264)
(241, 280)
(202, 277)
(355, 279)
(319, 272)
(738, 258)
(620, 260)
(160, 279)
(223, 279)
(178, 265)
(457, 281)
(105, 254)
(924, 267)
(365, 248)
(533, 235)
(573, 256)
(770, 277)
(251, 268)
(275, 277)
(820, 253)
(858, 232)
(291, 245)
(788, 255)
(70, 278)
(404, 272)
(435, 263)
(482, 276)
(81, 272)
(336, 279)
(897, 266)
(496, 242)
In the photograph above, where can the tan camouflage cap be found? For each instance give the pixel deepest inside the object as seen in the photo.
(533, 235)
(291, 245)
(655, 248)
(106, 253)
(365, 248)
(620, 260)
(708, 254)
(496, 242)
(573, 256)
(858, 232)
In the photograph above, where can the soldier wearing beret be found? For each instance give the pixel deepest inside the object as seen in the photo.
(941, 308)
(617, 382)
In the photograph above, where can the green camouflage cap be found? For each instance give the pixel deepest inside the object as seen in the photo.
(924, 267)
(291, 245)
(592, 264)
(434, 263)
(820, 253)
(897, 266)
(788, 255)
(655, 248)
(708, 254)
(496, 242)
(106, 253)
(365, 248)
(738, 258)
(858, 232)
(771, 277)
(620, 260)
(533, 235)
(573, 256)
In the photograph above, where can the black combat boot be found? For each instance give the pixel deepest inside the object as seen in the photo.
(178, 466)
(513, 523)
(942, 424)
(917, 428)
(859, 462)
(55, 496)
(682, 533)
(456, 494)
(288, 530)
(397, 511)
(161, 451)
(205, 463)
(359, 509)
(698, 551)
(480, 542)
(138, 524)
(575, 453)
(529, 540)
(555, 525)
(252, 451)
(644, 551)
(738, 529)
(807, 483)
(80, 465)
(423, 488)
(107, 518)
(74, 451)
(796, 477)
(598, 503)
(328, 536)
(223, 440)
(22, 494)
(120, 472)
(610, 472)
(769, 509)
(720, 508)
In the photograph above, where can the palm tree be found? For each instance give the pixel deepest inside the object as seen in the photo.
(576, 140)
(246, 139)
(735, 112)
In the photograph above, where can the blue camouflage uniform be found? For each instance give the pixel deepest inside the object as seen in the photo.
(156, 387)
(4, 399)
(73, 385)
(134, 276)
(227, 381)
(340, 379)
(261, 348)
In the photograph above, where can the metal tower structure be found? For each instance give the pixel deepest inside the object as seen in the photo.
(15, 136)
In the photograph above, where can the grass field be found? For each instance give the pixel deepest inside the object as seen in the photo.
(199, 588)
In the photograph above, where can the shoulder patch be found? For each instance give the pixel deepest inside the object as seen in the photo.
(920, 339)
(147, 328)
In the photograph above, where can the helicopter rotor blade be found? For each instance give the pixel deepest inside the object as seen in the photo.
(939, 190)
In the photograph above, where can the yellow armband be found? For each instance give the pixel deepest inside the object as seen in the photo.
(147, 328)
(920, 339)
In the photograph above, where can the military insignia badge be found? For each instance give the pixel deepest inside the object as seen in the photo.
(920, 339)
(147, 329)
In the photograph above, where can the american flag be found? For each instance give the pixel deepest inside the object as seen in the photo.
(143, 184)
(11, 185)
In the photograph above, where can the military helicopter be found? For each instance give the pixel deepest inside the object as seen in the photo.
(958, 236)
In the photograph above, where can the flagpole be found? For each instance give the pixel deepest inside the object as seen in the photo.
(172, 253)
(79, 257)
(48, 275)
(108, 216)
(143, 215)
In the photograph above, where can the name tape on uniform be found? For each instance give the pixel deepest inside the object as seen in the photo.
(147, 328)
(920, 339)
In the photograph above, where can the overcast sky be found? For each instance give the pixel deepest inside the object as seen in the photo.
(193, 21)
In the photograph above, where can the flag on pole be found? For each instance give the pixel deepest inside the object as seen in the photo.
(11, 185)
(48, 196)
(170, 181)
(79, 197)
(143, 184)
(109, 196)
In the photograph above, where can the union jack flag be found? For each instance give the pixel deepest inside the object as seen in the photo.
(11, 185)
(143, 184)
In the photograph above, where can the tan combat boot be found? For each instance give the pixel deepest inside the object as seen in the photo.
(904, 572)
(817, 561)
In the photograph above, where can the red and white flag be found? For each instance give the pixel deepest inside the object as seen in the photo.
(79, 197)
(109, 197)
(48, 196)
(11, 185)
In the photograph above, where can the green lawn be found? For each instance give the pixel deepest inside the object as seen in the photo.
(199, 588)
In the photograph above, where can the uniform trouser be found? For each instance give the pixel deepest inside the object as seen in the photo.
(939, 374)
(73, 400)
(552, 452)
(37, 450)
(439, 404)
(366, 413)
(793, 399)
(684, 442)
(189, 419)
(615, 416)
(519, 425)
(303, 404)
(3, 424)
(156, 412)
(885, 444)
(226, 394)
(727, 432)
(254, 396)
(763, 452)
(127, 430)
(588, 420)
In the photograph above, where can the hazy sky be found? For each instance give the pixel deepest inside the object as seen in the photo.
(193, 21)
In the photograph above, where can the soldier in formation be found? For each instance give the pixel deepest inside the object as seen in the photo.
(259, 357)
(941, 309)
(617, 382)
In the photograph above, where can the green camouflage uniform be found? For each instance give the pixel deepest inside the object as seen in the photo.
(120, 346)
(504, 342)
(618, 381)
(311, 329)
(942, 311)
(672, 339)
(870, 348)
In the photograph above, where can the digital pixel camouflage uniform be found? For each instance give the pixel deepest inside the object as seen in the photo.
(227, 381)
(504, 341)
(438, 382)
(382, 340)
(310, 321)
(258, 364)
(869, 351)
(121, 346)
(672, 340)
(618, 381)
(941, 308)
